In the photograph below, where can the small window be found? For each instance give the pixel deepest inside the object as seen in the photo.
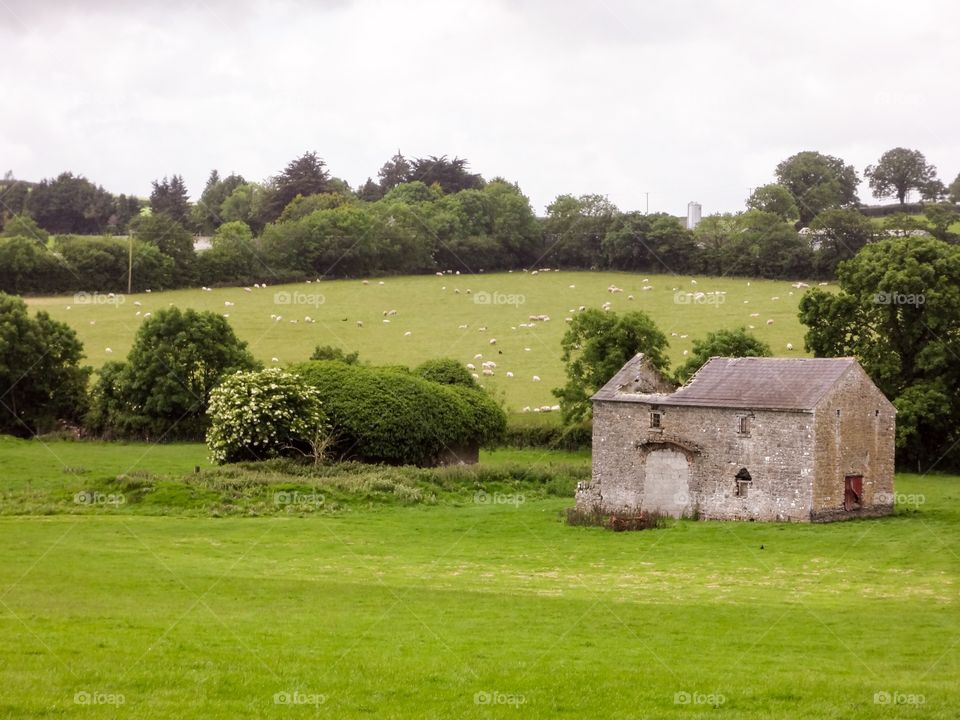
(654, 419)
(743, 425)
(744, 481)
(876, 413)
(838, 413)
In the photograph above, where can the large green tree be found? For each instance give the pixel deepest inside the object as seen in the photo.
(817, 182)
(451, 175)
(41, 380)
(206, 215)
(170, 197)
(71, 204)
(163, 389)
(575, 228)
(596, 345)
(898, 171)
(898, 313)
(722, 343)
(656, 242)
(774, 199)
(306, 175)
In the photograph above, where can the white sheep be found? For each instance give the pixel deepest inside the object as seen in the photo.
(493, 341)
(509, 374)
(536, 378)
(770, 322)
(487, 372)
(789, 346)
(471, 366)
(407, 333)
(359, 323)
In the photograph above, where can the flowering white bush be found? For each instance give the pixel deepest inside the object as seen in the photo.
(259, 415)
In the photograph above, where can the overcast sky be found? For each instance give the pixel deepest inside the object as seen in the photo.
(685, 100)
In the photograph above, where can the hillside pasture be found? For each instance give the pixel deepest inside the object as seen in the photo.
(459, 316)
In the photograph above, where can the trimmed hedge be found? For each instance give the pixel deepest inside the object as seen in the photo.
(395, 417)
(552, 437)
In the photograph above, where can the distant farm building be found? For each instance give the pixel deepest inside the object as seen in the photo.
(771, 439)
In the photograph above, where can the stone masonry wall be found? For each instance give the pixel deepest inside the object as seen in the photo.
(860, 441)
(777, 451)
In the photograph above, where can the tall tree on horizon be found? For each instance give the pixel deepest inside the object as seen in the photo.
(170, 197)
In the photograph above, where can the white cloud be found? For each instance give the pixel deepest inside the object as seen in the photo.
(686, 100)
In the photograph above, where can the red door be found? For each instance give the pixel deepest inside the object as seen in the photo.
(852, 492)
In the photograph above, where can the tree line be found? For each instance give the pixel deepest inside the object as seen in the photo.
(428, 214)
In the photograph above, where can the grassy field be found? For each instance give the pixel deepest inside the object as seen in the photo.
(431, 310)
(468, 609)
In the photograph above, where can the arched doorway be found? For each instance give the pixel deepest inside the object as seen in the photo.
(666, 485)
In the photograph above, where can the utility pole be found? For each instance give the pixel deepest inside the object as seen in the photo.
(130, 264)
(647, 211)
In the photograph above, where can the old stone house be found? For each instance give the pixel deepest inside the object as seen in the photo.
(778, 439)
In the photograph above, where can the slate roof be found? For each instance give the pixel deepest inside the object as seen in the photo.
(768, 383)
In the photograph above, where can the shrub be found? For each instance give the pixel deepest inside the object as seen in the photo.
(445, 371)
(265, 414)
(618, 522)
(553, 437)
(384, 415)
(329, 352)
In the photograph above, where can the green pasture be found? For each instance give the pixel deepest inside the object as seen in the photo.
(444, 322)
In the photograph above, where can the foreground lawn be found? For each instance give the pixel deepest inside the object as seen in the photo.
(445, 323)
(481, 610)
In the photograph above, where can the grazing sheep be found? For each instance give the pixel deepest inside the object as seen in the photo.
(246, 289)
(136, 303)
(386, 322)
(487, 372)
(775, 297)
(227, 303)
(684, 353)
(407, 333)
(493, 341)
(461, 327)
(359, 323)
(789, 346)
(509, 374)
(366, 282)
(573, 287)
(380, 283)
(108, 350)
(526, 349)
(536, 378)
(471, 366)
(770, 322)
(630, 297)
(526, 409)
(274, 360)
(474, 376)
(693, 282)
(754, 314)
(146, 315)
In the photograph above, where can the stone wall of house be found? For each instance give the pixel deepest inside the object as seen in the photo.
(776, 450)
(859, 440)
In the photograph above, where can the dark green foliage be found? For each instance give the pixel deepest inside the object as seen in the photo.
(900, 170)
(596, 345)
(206, 215)
(818, 182)
(72, 204)
(550, 437)
(307, 175)
(172, 239)
(840, 232)
(657, 243)
(169, 197)
(329, 352)
(101, 264)
(41, 381)
(382, 415)
(29, 266)
(451, 175)
(898, 313)
(722, 343)
(445, 371)
(163, 389)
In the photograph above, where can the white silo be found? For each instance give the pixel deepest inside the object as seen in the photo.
(693, 214)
